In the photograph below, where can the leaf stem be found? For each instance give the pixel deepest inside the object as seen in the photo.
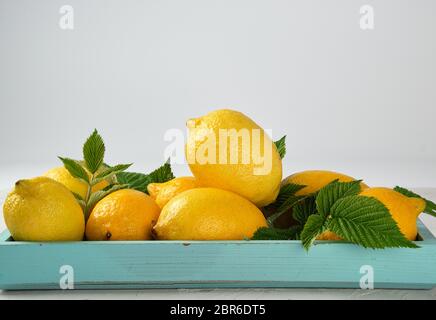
(276, 215)
(88, 195)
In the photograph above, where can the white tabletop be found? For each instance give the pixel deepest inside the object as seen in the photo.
(216, 294)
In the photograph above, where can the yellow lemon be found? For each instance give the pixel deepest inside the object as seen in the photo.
(404, 210)
(228, 150)
(328, 235)
(42, 209)
(164, 192)
(60, 174)
(208, 214)
(314, 180)
(122, 215)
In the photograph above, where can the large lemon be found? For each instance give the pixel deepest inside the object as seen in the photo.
(41, 209)
(208, 214)
(228, 150)
(122, 215)
(60, 174)
(404, 210)
(164, 192)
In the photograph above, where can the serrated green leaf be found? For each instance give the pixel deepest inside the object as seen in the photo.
(285, 192)
(290, 202)
(107, 173)
(332, 192)
(75, 169)
(284, 201)
(314, 226)
(265, 233)
(406, 192)
(281, 146)
(140, 181)
(303, 209)
(430, 206)
(93, 152)
(98, 195)
(135, 180)
(286, 206)
(162, 174)
(367, 222)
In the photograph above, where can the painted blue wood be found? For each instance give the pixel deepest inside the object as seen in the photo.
(213, 264)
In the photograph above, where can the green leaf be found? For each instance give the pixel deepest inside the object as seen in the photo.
(140, 181)
(284, 202)
(75, 169)
(265, 233)
(303, 209)
(98, 195)
(77, 196)
(93, 152)
(332, 192)
(107, 173)
(82, 204)
(162, 174)
(367, 222)
(110, 186)
(281, 146)
(430, 206)
(290, 202)
(286, 206)
(135, 180)
(314, 226)
(286, 191)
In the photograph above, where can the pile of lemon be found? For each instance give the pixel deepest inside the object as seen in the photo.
(221, 201)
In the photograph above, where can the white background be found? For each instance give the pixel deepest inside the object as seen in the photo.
(359, 102)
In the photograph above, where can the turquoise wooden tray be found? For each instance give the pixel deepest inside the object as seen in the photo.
(212, 264)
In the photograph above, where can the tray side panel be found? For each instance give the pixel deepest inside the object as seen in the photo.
(213, 265)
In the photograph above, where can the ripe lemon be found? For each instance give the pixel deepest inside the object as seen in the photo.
(60, 174)
(328, 235)
(164, 192)
(122, 215)
(219, 158)
(208, 214)
(42, 209)
(404, 210)
(314, 180)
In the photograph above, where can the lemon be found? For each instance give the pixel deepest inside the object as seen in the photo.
(60, 174)
(404, 210)
(164, 192)
(122, 215)
(208, 214)
(314, 180)
(228, 150)
(328, 235)
(42, 209)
